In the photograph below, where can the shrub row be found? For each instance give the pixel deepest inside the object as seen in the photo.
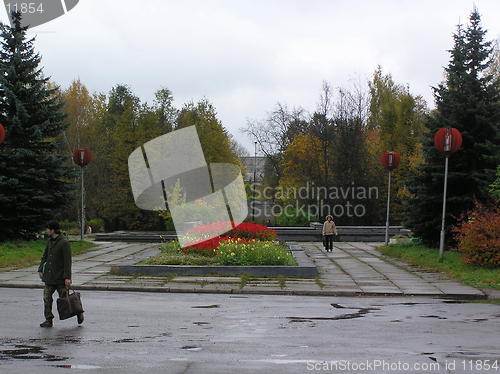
(478, 236)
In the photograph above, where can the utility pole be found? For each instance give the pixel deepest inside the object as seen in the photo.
(254, 180)
(82, 157)
(390, 161)
(447, 141)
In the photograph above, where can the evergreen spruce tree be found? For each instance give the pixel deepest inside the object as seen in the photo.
(468, 100)
(34, 183)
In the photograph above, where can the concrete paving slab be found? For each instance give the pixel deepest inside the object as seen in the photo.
(352, 268)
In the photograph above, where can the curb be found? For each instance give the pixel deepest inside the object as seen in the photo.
(254, 292)
(162, 270)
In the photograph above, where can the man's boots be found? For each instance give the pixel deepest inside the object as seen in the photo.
(47, 323)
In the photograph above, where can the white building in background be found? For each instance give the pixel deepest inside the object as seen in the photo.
(250, 164)
(262, 212)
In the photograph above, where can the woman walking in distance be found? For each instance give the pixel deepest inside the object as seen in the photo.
(329, 229)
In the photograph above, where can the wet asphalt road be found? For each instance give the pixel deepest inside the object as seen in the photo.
(202, 333)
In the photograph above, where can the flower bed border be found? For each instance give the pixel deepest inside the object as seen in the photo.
(305, 268)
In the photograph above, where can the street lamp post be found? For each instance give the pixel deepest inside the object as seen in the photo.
(82, 189)
(82, 157)
(254, 180)
(388, 209)
(443, 217)
(390, 161)
(447, 141)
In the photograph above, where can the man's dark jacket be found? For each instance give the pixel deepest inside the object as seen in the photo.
(56, 262)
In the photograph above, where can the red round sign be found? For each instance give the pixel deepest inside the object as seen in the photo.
(390, 160)
(448, 140)
(2, 134)
(82, 157)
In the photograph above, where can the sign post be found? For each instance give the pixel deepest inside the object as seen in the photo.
(254, 181)
(82, 157)
(390, 161)
(447, 141)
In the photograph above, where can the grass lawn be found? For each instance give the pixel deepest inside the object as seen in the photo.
(452, 265)
(488, 301)
(17, 254)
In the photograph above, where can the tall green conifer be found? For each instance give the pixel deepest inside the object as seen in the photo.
(34, 181)
(468, 100)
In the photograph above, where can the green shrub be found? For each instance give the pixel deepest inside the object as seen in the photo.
(96, 224)
(171, 247)
(68, 225)
(478, 236)
(291, 217)
(495, 186)
(71, 232)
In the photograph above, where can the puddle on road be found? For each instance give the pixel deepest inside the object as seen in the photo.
(72, 339)
(57, 339)
(360, 313)
(206, 306)
(433, 316)
(124, 340)
(475, 319)
(473, 355)
(410, 303)
(337, 306)
(281, 361)
(191, 348)
(80, 367)
(26, 352)
(430, 357)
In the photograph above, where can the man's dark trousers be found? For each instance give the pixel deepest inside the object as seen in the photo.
(48, 291)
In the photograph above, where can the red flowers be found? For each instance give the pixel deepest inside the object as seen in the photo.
(250, 230)
(245, 231)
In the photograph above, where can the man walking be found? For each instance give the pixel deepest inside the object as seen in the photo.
(55, 271)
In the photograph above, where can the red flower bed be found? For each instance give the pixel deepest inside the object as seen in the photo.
(245, 231)
(248, 230)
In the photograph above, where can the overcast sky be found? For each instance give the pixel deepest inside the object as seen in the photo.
(246, 55)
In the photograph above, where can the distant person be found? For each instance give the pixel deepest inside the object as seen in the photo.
(55, 271)
(329, 229)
